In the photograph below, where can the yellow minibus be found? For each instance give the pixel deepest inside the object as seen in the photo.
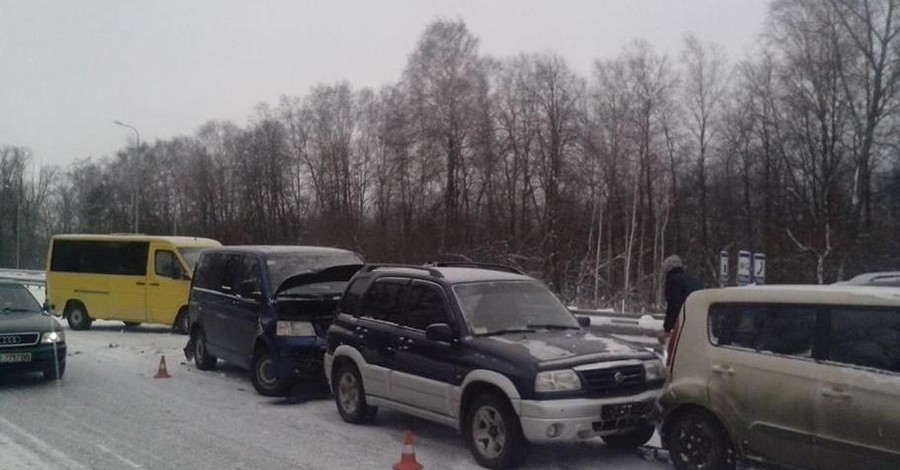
(133, 278)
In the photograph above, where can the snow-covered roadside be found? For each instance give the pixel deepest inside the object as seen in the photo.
(109, 413)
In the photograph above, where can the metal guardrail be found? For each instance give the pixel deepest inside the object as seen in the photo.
(641, 329)
(25, 276)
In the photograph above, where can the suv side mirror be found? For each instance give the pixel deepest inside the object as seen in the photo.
(584, 321)
(439, 332)
(248, 290)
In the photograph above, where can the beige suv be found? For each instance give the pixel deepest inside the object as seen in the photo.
(801, 376)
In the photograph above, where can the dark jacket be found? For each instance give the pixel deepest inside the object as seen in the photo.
(679, 285)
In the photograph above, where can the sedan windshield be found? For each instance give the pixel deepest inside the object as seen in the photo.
(512, 306)
(16, 298)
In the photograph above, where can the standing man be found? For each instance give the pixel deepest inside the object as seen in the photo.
(679, 284)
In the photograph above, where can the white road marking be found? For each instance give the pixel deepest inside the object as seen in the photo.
(123, 459)
(43, 449)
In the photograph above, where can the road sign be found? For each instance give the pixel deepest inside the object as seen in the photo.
(723, 268)
(743, 268)
(759, 268)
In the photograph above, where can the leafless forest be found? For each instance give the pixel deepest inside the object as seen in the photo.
(584, 181)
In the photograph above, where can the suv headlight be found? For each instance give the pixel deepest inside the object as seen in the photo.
(654, 370)
(53, 337)
(557, 381)
(294, 328)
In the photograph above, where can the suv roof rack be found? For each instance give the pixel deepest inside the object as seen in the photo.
(430, 270)
(467, 264)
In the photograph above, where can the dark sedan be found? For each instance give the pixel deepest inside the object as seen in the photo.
(30, 339)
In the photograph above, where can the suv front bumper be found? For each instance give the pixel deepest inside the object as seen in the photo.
(583, 418)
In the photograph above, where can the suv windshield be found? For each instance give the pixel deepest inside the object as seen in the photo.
(510, 306)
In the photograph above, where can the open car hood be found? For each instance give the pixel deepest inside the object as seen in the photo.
(331, 274)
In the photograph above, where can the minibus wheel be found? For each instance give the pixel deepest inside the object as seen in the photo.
(77, 316)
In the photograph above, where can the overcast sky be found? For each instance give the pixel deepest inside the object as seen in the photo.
(69, 68)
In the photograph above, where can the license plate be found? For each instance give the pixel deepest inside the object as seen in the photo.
(8, 358)
(619, 411)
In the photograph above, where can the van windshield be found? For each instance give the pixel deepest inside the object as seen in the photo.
(282, 265)
(190, 254)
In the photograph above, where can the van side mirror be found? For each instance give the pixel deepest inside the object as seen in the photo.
(248, 290)
(439, 332)
(584, 321)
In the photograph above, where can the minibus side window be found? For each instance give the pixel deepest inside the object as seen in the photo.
(100, 257)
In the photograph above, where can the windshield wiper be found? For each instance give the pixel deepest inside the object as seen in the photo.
(509, 330)
(549, 326)
(17, 310)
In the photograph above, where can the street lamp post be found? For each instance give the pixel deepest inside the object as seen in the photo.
(134, 204)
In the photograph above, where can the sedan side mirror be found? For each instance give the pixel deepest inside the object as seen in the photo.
(584, 321)
(439, 332)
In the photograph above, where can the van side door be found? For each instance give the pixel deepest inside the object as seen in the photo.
(125, 265)
(247, 304)
(167, 284)
(858, 401)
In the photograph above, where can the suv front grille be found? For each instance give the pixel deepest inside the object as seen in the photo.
(614, 381)
(12, 340)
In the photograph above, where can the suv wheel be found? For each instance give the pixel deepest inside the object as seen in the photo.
(264, 377)
(697, 441)
(77, 317)
(350, 396)
(202, 359)
(631, 439)
(494, 433)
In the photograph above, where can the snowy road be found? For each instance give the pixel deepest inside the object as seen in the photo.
(110, 413)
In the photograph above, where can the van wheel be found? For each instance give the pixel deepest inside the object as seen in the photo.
(350, 396)
(631, 439)
(202, 359)
(77, 317)
(697, 441)
(494, 433)
(264, 376)
(181, 324)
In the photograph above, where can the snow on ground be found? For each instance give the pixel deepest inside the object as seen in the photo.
(109, 413)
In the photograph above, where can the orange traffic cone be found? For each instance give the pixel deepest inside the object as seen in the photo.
(162, 373)
(408, 457)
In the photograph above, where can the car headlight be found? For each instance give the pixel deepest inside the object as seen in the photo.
(53, 337)
(557, 381)
(654, 370)
(295, 328)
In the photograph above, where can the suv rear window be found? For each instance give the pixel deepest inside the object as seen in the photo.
(780, 329)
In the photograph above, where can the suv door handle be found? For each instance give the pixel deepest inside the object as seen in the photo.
(140, 283)
(836, 393)
(718, 369)
(155, 284)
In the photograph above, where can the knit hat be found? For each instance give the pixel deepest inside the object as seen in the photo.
(670, 263)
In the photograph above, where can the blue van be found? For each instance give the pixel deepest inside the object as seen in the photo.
(266, 309)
